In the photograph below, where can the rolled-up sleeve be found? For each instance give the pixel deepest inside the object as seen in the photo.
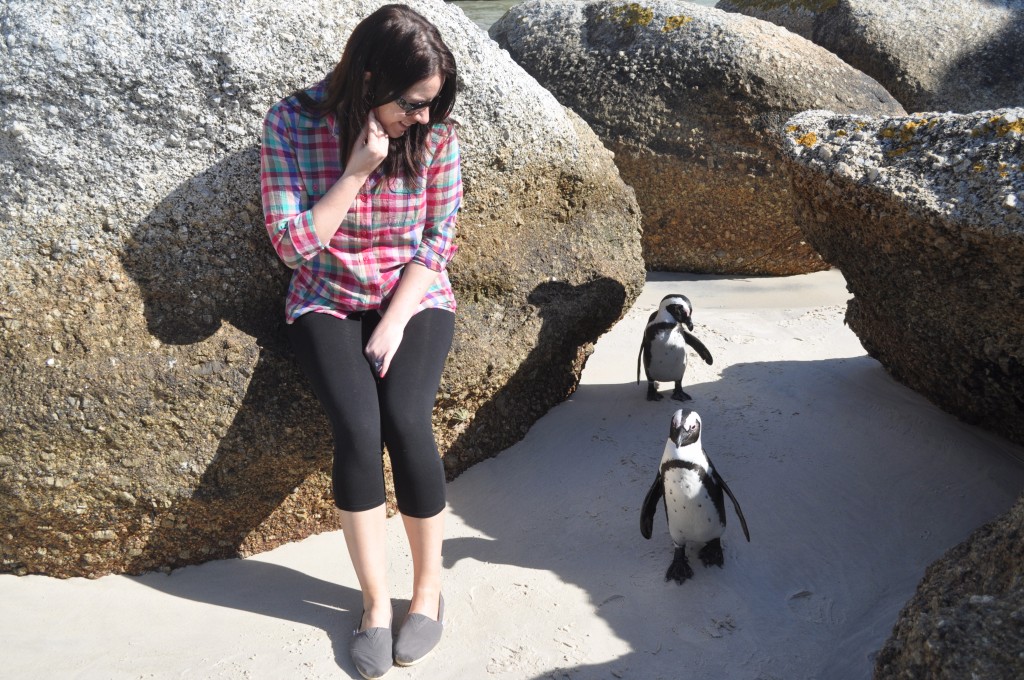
(289, 221)
(444, 197)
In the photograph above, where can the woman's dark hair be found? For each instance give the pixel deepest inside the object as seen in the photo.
(399, 47)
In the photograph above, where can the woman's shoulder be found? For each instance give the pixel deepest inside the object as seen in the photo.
(442, 133)
(294, 109)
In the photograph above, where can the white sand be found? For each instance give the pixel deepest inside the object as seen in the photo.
(851, 485)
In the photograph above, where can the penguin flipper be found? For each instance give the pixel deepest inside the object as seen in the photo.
(735, 504)
(645, 359)
(650, 506)
(695, 343)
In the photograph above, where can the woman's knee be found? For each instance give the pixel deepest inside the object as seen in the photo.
(406, 427)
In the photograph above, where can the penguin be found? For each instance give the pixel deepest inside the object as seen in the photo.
(694, 500)
(663, 350)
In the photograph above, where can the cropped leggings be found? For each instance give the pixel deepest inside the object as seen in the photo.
(367, 412)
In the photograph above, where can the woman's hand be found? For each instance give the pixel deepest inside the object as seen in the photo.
(387, 336)
(383, 344)
(370, 150)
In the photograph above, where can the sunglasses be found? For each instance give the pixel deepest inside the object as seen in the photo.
(412, 107)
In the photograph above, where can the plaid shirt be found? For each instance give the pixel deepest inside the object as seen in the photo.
(389, 224)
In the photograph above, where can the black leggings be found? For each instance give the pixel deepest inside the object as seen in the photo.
(366, 411)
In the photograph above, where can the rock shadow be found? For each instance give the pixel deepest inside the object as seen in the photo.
(204, 267)
(997, 65)
(572, 318)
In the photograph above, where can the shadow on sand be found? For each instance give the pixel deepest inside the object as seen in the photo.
(570, 505)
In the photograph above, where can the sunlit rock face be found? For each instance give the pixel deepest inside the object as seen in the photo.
(931, 55)
(692, 101)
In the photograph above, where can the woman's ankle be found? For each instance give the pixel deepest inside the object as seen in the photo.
(426, 601)
(376, 613)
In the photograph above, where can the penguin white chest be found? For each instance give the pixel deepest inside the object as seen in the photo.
(668, 357)
(692, 516)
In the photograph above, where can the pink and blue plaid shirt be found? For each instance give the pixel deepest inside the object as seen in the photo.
(389, 225)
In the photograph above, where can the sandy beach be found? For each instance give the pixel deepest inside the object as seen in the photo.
(851, 485)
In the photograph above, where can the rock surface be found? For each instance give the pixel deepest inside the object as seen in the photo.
(151, 413)
(932, 55)
(691, 100)
(967, 618)
(924, 215)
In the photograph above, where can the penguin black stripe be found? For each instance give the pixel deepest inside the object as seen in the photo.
(671, 464)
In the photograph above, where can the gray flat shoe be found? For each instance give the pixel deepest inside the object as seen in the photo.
(418, 636)
(371, 651)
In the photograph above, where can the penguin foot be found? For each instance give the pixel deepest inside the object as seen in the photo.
(680, 569)
(711, 554)
(679, 395)
(652, 393)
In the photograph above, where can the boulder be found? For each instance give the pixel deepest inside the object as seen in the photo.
(692, 101)
(966, 619)
(925, 217)
(797, 16)
(932, 55)
(152, 415)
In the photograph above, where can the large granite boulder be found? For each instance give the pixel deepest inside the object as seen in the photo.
(932, 55)
(151, 413)
(925, 217)
(692, 101)
(966, 619)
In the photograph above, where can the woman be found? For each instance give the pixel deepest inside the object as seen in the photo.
(361, 185)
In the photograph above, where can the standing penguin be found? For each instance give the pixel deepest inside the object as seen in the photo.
(694, 501)
(663, 351)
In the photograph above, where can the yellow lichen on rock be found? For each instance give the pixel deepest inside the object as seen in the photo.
(672, 23)
(1000, 126)
(905, 132)
(632, 14)
(808, 140)
(910, 127)
(1006, 128)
